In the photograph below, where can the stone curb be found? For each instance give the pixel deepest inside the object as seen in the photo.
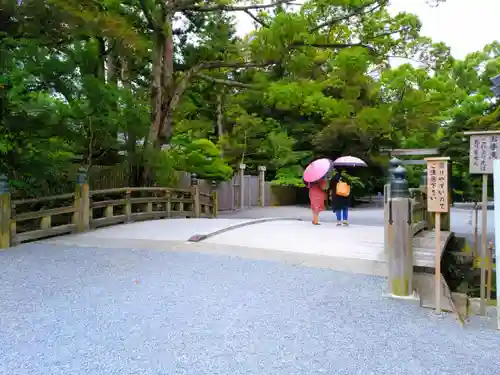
(201, 237)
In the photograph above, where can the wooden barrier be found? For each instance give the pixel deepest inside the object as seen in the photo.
(404, 218)
(419, 218)
(32, 219)
(45, 225)
(400, 257)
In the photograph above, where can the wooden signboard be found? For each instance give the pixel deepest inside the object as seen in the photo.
(437, 184)
(483, 150)
(437, 202)
(496, 192)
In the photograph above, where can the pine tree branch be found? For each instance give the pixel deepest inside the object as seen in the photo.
(333, 46)
(234, 65)
(256, 19)
(230, 8)
(361, 11)
(226, 82)
(147, 14)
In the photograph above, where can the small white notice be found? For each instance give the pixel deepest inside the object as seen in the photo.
(483, 150)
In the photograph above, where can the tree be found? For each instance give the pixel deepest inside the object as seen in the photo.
(472, 111)
(118, 81)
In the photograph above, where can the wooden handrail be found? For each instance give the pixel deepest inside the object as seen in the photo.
(93, 209)
(419, 211)
(19, 202)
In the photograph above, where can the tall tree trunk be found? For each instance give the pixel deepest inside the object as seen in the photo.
(156, 94)
(168, 82)
(111, 62)
(219, 121)
(153, 141)
(100, 70)
(132, 159)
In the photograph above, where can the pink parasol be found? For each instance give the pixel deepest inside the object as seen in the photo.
(349, 161)
(317, 170)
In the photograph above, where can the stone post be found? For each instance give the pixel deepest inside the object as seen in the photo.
(400, 259)
(5, 212)
(262, 185)
(83, 211)
(196, 195)
(242, 186)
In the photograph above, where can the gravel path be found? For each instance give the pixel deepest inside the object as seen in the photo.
(84, 311)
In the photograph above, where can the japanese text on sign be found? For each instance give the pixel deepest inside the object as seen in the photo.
(437, 186)
(483, 150)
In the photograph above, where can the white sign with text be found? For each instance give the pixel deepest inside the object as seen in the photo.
(483, 150)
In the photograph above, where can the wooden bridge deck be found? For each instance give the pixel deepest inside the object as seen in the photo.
(424, 250)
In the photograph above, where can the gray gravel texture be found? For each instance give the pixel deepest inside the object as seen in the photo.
(77, 311)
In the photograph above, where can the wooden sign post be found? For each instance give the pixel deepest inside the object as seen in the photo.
(483, 150)
(437, 202)
(496, 195)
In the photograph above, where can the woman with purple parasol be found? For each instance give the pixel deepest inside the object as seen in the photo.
(340, 190)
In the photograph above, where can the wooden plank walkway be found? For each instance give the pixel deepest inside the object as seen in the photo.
(424, 250)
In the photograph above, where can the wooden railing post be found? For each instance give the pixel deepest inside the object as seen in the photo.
(5, 213)
(387, 218)
(82, 201)
(215, 200)
(128, 205)
(242, 186)
(400, 260)
(168, 204)
(393, 164)
(401, 254)
(262, 185)
(196, 195)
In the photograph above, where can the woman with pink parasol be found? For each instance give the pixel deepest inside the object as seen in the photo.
(314, 176)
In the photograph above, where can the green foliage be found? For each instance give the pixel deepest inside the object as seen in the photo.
(289, 176)
(200, 156)
(163, 164)
(80, 83)
(34, 151)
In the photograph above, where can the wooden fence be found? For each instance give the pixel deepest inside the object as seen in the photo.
(229, 192)
(419, 214)
(85, 209)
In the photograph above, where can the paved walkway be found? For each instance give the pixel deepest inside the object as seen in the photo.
(369, 216)
(108, 310)
(358, 249)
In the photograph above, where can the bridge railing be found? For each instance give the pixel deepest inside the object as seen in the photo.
(419, 214)
(405, 213)
(32, 219)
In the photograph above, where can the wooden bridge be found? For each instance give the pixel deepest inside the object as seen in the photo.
(410, 245)
(31, 219)
(409, 239)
